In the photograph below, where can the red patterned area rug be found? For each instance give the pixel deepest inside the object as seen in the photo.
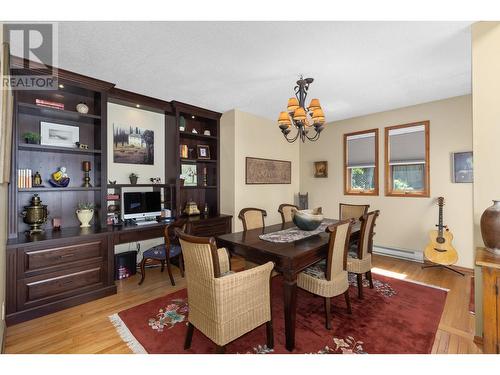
(396, 316)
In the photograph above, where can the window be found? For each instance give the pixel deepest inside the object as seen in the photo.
(407, 160)
(361, 163)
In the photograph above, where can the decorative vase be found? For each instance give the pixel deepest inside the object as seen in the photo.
(85, 216)
(82, 108)
(133, 179)
(490, 227)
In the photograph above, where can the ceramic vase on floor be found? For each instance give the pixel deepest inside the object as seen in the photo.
(490, 227)
(85, 216)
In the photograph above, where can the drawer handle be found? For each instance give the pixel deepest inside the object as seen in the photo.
(67, 282)
(66, 256)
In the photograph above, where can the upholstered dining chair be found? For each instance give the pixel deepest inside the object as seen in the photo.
(359, 259)
(252, 218)
(223, 305)
(352, 211)
(286, 211)
(159, 253)
(328, 278)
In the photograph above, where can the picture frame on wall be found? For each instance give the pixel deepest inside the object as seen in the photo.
(462, 167)
(267, 171)
(52, 134)
(321, 169)
(203, 152)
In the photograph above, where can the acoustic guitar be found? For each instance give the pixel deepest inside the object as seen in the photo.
(440, 250)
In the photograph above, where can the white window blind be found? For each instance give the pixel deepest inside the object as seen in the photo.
(361, 150)
(407, 145)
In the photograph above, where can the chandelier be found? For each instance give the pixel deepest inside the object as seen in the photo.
(304, 119)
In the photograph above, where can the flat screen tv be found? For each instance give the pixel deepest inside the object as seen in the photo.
(141, 205)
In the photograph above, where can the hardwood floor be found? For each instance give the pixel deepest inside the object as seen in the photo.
(86, 328)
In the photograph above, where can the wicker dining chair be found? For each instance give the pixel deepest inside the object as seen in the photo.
(252, 218)
(352, 211)
(359, 259)
(159, 253)
(286, 211)
(329, 278)
(223, 305)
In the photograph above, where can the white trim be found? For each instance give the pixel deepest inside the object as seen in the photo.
(407, 130)
(360, 136)
(126, 335)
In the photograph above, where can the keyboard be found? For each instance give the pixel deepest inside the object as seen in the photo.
(148, 222)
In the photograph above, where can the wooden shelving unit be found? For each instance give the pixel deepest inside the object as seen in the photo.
(200, 120)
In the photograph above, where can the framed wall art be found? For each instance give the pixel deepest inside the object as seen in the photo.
(267, 171)
(321, 169)
(462, 171)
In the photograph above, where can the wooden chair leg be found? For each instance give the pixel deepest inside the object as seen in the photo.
(327, 313)
(189, 336)
(360, 285)
(270, 335)
(348, 301)
(143, 270)
(181, 264)
(162, 265)
(369, 277)
(169, 270)
(220, 349)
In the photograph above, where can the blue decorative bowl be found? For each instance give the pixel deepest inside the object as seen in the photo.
(308, 219)
(64, 182)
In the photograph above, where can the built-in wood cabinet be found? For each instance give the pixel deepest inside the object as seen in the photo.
(490, 265)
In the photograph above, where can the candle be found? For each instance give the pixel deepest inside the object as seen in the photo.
(86, 166)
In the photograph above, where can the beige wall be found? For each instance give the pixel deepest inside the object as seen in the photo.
(403, 222)
(242, 135)
(486, 131)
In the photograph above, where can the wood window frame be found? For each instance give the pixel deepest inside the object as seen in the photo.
(347, 173)
(389, 192)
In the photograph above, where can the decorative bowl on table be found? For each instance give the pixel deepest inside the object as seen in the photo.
(308, 219)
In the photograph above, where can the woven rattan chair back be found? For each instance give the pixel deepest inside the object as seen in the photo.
(338, 248)
(352, 211)
(252, 218)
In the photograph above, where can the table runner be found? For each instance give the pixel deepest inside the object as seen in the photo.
(295, 234)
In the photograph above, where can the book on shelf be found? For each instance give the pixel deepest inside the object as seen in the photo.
(49, 104)
(24, 178)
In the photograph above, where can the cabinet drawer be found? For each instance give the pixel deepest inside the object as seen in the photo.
(59, 285)
(38, 259)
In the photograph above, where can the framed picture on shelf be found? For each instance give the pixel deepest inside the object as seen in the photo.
(462, 167)
(203, 152)
(52, 134)
(188, 173)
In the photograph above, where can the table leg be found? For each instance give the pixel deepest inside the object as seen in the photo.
(290, 299)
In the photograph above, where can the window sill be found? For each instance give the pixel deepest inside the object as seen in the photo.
(361, 192)
(423, 194)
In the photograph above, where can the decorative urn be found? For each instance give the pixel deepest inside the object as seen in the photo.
(490, 227)
(35, 215)
(308, 219)
(191, 209)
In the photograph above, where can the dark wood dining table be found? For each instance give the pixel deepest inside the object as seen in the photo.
(289, 258)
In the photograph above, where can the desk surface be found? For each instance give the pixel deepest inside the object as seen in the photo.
(66, 233)
(486, 258)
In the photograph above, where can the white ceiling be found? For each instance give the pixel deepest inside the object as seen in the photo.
(358, 67)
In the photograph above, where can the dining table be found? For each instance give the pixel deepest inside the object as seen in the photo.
(289, 258)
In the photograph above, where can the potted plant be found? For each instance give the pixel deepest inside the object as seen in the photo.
(85, 212)
(31, 138)
(133, 178)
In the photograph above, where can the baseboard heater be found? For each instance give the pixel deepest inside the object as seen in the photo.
(413, 255)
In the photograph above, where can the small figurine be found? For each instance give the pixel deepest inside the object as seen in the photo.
(37, 180)
(155, 180)
(60, 178)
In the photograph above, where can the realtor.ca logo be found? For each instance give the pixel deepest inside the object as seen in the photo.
(35, 46)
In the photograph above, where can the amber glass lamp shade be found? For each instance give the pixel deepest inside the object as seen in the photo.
(283, 118)
(299, 114)
(293, 104)
(318, 116)
(314, 105)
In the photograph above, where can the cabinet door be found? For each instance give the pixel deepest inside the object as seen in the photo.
(498, 311)
(491, 305)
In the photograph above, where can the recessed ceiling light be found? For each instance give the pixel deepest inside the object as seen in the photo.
(138, 105)
(61, 86)
(192, 116)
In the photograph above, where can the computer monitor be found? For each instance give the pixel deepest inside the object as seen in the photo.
(141, 205)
